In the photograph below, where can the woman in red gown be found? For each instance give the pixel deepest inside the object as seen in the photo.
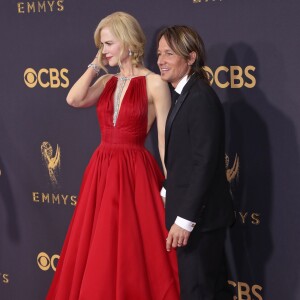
(115, 245)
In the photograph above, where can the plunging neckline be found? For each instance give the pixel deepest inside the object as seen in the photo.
(121, 102)
(125, 94)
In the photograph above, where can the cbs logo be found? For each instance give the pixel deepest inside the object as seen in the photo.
(245, 292)
(234, 77)
(44, 261)
(45, 78)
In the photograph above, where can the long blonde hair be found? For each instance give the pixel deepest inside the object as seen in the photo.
(128, 31)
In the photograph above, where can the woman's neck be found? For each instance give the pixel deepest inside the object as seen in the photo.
(128, 70)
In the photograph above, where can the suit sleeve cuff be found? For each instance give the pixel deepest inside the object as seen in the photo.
(185, 224)
(163, 192)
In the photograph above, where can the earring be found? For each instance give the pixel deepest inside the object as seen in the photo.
(130, 53)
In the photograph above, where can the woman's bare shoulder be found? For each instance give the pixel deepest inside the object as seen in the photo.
(155, 80)
(104, 79)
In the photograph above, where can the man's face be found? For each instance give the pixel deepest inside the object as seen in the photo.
(172, 66)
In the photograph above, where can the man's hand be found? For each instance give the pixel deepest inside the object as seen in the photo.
(177, 237)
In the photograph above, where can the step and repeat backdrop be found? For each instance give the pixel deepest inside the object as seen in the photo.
(253, 61)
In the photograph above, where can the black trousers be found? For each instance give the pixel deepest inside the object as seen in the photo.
(202, 267)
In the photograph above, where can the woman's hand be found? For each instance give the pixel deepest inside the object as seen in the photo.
(96, 59)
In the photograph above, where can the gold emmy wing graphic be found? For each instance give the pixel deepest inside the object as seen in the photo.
(51, 162)
(233, 172)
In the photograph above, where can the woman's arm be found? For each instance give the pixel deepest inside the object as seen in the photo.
(82, 93)
(161, 97)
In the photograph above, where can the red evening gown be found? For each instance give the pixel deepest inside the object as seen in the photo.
(115, 245)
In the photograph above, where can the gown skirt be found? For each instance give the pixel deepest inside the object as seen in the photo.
(115, 244)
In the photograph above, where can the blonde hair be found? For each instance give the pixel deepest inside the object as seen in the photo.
(128, 31)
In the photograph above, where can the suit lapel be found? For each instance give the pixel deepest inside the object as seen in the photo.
(175, 109)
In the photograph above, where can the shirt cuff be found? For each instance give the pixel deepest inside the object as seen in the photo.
(185, 224)
(163, 192)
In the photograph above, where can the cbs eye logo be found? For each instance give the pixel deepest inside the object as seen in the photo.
(44, 261)
(46, 78)
(234, 77)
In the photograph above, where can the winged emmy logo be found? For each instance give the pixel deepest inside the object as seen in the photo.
(233, 172)
(52, 162)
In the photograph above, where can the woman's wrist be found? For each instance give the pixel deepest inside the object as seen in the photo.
(95, 67)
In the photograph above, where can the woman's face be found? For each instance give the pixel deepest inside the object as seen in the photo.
(112, 48)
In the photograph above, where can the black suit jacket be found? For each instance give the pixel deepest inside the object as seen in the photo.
(196, 184)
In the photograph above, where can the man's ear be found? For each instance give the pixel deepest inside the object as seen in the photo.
(192, 58)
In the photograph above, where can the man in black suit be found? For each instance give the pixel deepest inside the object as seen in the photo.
(198, 204)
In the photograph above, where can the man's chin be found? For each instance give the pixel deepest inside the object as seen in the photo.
(163, 77)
